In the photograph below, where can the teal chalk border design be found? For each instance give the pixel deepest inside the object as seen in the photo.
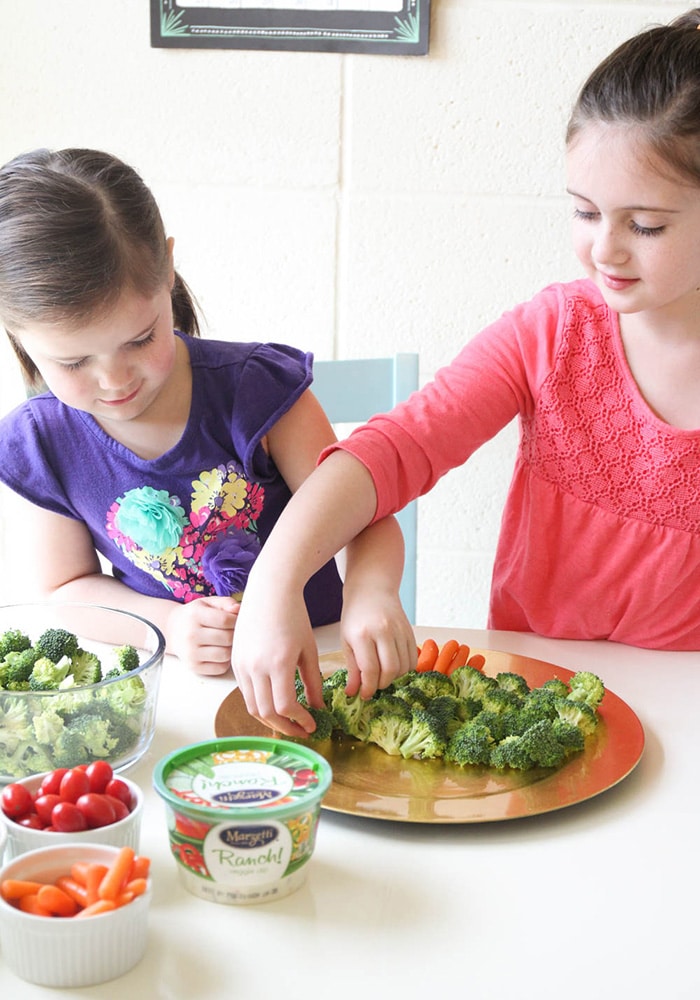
(407, 33)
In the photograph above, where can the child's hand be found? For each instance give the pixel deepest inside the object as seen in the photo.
(378, 640)
(201, 633)
(272, 639)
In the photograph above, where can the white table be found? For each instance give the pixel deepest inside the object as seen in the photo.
(596, 900)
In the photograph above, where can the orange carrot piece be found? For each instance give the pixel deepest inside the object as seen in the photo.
(56, 901)
(79, 871)
(73, 889)
(445, 656)
(118, 874)
(136, 886)
(427, 656)
(13, 888)
(99, 906)
(30, 904)
(459, 659)
(93, 879)
(477, 661)
(141, 866)
(124, 897)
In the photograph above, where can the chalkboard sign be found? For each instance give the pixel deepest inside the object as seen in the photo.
(389, 27)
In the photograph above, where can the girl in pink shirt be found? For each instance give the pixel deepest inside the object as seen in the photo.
(600, 535)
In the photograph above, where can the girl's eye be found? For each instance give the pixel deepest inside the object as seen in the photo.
(646, 230)
(584, 216)
(74, 365)
(149, 338)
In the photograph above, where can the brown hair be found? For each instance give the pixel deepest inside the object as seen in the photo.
(651, 81)
(77, 228)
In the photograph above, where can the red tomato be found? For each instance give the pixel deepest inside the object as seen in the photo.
(67, 818)
(97, 809)
(31, 820)
(120, 790)
(74, 783)
(44, 805)
(120, 810)
(51, 782)
(100, 773)
(16, 800)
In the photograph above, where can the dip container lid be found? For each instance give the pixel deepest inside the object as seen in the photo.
(243, 776)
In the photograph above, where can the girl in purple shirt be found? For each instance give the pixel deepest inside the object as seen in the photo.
(169, 456)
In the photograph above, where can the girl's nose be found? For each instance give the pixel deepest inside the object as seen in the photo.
(608, 246)
(113, 374)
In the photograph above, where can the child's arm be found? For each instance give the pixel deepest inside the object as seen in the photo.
(273, 634)
(66, 567)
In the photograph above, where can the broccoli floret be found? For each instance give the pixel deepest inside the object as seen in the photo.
(556, 686)
(541, 743)
(352, 713)
(48, 726)
(125, 696)
(389, 731)
(386, 703)
(577, 713)
(471, 683)
(446, 708)
(586, 687)
(570, 737)
(26, 758)
(86, 668)
(470, 744)
(512, 752)
(13, 641)
(15, 723)
(499, 700)
(432, 683)
(18, 667)
(47, 675)
(95, 734)
(515, 683)
(412, 696)
(495, 722)
(338, 679)
(541, 700)
(427, 736)
(325, 723)
(56, 643)
(127, 658)
(69, 749)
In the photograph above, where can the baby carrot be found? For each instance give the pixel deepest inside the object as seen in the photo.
(477, 661)
(136, 886)
(73, 889)
(141, 867)
(99, 906)
(13, 888)
(445, 656)
(94, 874)
(118, 874)
(30, 904)
(427, 656)
(56, 901)
(459, 659)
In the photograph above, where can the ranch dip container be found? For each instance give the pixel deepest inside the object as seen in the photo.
(242, 815)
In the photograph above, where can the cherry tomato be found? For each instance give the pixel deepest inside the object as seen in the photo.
(74, 783)
(16, 800)
(99, 773)
(44, 805)
(51, 783)
(97, 809)
(120, 810)
(31, 820)
(120, 790)
(67, 818)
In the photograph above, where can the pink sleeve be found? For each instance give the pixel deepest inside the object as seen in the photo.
(493, 378)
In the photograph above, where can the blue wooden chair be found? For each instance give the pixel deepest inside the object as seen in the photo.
(353, 390)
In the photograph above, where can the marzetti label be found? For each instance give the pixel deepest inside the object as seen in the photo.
(243, 785)
(248, 854)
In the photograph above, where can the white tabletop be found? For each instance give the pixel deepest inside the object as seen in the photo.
(595, 900)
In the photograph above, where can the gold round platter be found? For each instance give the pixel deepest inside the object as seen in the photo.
(369, 782)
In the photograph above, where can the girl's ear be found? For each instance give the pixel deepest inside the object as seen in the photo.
(170, 243)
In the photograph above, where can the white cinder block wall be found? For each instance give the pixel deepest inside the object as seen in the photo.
(349, 205)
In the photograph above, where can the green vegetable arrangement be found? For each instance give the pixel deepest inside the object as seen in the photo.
(466, 718)
(52, 716)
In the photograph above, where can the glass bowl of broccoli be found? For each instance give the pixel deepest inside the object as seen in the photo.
(78, 683)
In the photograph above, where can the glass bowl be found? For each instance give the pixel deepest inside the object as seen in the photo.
(113, 719)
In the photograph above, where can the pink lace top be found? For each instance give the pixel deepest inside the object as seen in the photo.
(600, 536)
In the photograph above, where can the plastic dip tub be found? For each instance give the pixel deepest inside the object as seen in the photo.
(242, 815)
